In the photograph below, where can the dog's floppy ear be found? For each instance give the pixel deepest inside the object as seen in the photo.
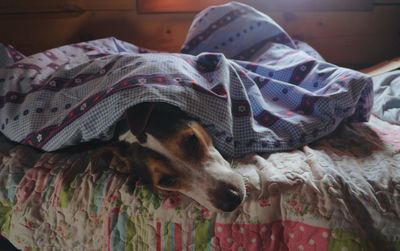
(138, 117)
(109, 157)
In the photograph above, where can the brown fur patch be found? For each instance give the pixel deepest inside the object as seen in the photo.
(159, 167)
(179, 146)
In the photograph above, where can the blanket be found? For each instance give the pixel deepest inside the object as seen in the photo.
(387, 96)
(249, 83)
(339, 193)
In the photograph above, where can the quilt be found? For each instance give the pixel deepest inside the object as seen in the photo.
(339, 193)
(250, 84)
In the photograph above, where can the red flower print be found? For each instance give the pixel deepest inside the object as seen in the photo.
(264, 203)
(205, 213)
(172, 201)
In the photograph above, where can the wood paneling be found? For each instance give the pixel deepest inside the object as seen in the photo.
(347, 38)
(356, 38)
(154, 6)
(29, 6)
(32, 33)
(159, 6)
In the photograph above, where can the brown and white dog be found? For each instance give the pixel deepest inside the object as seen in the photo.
(177, 154)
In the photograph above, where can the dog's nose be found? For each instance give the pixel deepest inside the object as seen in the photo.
(230, 200)
(227, 198)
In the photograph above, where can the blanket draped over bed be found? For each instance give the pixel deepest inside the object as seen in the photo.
(249, 83)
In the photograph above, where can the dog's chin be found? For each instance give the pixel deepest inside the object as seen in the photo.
(224, 210)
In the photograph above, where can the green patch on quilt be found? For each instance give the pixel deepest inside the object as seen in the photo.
(137, 233)
(348, 240)
(65, 195)
(169, 236)
(99, 191)
(147, 199)
(396, 245)
(131, 232)
(5, 218)
(202, 235)
(199, 217)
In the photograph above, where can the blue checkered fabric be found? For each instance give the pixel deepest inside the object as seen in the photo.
(253, 87)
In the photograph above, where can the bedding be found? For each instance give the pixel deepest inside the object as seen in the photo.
(340, 193)
(387, 96)
(333, 188)
(238, 72)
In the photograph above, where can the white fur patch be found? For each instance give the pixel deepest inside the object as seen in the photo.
(128, 137)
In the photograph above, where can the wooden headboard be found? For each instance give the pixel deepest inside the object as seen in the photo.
(352, 38)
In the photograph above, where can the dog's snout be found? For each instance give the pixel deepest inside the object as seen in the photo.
(227, 198)
(230, 200)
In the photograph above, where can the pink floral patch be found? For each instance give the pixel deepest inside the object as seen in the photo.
(264, 203)
(278, 235)
(206, 214)
(172, 201)
(299, 236)
(249, 236)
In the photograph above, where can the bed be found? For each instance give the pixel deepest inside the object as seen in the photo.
(340, 193)
(330, 182)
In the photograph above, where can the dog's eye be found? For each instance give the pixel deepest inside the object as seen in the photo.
(167, 181)
(192, 142)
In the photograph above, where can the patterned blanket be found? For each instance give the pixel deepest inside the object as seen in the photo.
(340, 193)
(252, 86)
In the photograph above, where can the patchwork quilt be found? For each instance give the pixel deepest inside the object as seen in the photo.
(253, 87)
(340, 193)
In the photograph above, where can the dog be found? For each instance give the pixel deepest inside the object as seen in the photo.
(173, 152)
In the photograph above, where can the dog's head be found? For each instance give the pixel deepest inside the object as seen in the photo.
(183, 158)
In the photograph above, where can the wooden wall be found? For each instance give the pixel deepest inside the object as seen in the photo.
(350, 38)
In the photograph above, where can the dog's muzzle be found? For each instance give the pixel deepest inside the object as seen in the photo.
(226, 197)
